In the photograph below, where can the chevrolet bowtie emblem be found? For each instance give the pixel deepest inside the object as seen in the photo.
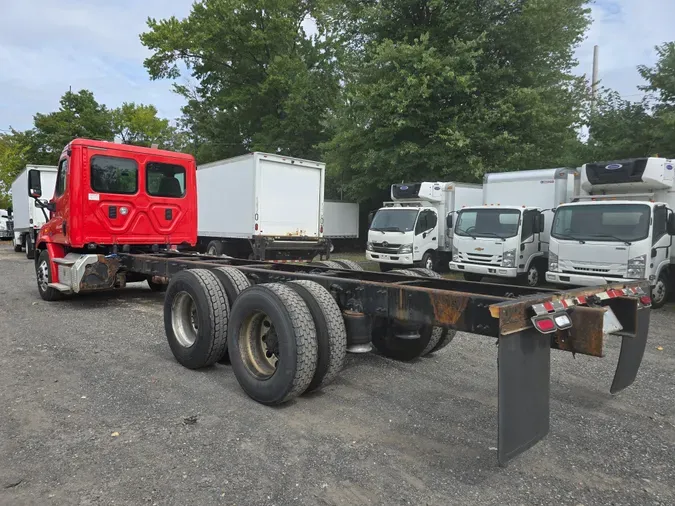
(479, 249)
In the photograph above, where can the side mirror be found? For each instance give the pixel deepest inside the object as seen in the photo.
(371, 215)
(671, 224)
(448, 220)
(34, 184)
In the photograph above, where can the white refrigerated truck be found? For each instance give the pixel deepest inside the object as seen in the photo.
(619, 229)
(28, 218)
(507, 236)
(416, 227)
(262, 206)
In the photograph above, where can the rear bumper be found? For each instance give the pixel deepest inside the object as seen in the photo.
(388, 258)
(485, 270)
(564, 278)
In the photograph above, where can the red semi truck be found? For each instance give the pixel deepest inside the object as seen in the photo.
(119, 212)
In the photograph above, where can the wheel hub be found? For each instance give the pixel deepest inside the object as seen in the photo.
(43, 276)
(184, 319)
(533, 276)
(259, 345)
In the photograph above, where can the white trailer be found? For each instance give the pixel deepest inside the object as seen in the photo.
(262, 206)
(340, 220)
(508, 235)
(416, 227)
(620, 229)
(28, 218)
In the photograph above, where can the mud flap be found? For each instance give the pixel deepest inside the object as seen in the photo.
(524, 369)
(632, 351)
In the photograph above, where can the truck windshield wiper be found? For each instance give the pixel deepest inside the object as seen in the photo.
(467, 233)
(571, 238)
(492, 234)
(627, 243)
(389, 229)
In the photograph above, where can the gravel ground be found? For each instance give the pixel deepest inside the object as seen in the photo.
(95, 410)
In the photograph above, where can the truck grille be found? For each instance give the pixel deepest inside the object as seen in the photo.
(480, 258)
(591, 269)
(379, 247)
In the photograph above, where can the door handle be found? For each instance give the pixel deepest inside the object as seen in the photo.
(433, 238)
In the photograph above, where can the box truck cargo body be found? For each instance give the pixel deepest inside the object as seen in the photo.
(340, 220)
(262, 206)
(508, 235)
(27, 217)
(620, 229)
(416, 227)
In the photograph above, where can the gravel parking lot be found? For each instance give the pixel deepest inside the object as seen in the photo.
(95, 410)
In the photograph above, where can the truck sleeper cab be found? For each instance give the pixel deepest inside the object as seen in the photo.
(111, 197)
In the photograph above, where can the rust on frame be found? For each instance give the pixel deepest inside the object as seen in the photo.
(586, 336)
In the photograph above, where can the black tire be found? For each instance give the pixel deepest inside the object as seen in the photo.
(295, 346)
(470, 276)
(156, 287)
(18, 248)
(385, 267)
(428, 261)
(426, 273)
(234, 282)
(30, 249)
(215, 248)
(331, 334)
(327, 263)
(349, 264)
(446, 339)
(196, 296)
(661, 291)
(437, 334)
(406, 272)
(533, 277)
(43, 270)
(405, 350)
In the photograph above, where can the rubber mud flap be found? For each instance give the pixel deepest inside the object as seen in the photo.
(632, 351)
(524, 370)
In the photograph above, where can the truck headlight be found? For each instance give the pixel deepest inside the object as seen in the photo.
(509, 258)
(369, 246)
(636, 267)
(406, 248)
(552, 262)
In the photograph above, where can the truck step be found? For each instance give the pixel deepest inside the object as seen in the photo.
(60, 287)
(64, 261)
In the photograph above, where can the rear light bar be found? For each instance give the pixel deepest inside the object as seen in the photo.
(551, 322)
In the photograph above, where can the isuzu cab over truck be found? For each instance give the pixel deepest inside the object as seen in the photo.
(507, 237)
(118, 213)
(6, 224)
(413, 228)
(621, 230)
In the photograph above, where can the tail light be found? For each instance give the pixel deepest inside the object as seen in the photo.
(646, 300)
(256, 226)
(552, 322)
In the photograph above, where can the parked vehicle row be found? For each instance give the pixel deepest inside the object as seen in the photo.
(118, 212)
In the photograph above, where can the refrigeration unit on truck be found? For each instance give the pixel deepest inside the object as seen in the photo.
(27, 216)
(620, 229)
(262, 206)
(6, 224)
(414, 229)
(507, 236)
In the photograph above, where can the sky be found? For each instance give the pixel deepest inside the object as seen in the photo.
(47, 46)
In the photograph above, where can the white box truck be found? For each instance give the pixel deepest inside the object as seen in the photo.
(416, 227)
(508, 235)
(6, 225)
(340, 220)
(619, 229)
(28, 218)
(262, 206)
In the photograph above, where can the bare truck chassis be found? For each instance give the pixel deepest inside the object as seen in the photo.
(508, 313)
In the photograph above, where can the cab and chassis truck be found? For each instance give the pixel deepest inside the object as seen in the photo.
(117, 216)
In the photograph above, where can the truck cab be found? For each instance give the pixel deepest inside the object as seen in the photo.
(414, 228)
(6, 224)
(111, 197)
(620, 230)
(501, 241)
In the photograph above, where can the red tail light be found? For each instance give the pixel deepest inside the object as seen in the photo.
(646, 300)
(256, 226)
(545, 325)
(321, 229)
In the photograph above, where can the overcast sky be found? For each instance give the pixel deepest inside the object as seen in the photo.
(48, 45)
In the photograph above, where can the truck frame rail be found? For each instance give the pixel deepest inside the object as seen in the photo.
(508, 313)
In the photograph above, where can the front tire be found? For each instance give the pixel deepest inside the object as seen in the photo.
(43, 274)
(428, 261)
(215, 248)
(533, 276)
(661, 291)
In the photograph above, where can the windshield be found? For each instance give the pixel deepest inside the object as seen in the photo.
(394, 220)
(488, 223)
(602, 222)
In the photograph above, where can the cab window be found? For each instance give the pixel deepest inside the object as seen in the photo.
(660, 223)
(110, 174)
(61, 178)
(165, 180)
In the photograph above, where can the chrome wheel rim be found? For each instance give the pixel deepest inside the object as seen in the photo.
(212, 251)
(658, 292)
(533, 276)
(184, 319)
(430, 264)
(259, 345)
(43, 276)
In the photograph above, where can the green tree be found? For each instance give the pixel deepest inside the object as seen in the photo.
(262, 82)
(16, 150)
(450, 90)
(139, 124)
(79, 115)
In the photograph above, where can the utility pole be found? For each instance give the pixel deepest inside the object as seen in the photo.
(594, 80)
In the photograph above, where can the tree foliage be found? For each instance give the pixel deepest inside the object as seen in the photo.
(138, 124)
(263, 83)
